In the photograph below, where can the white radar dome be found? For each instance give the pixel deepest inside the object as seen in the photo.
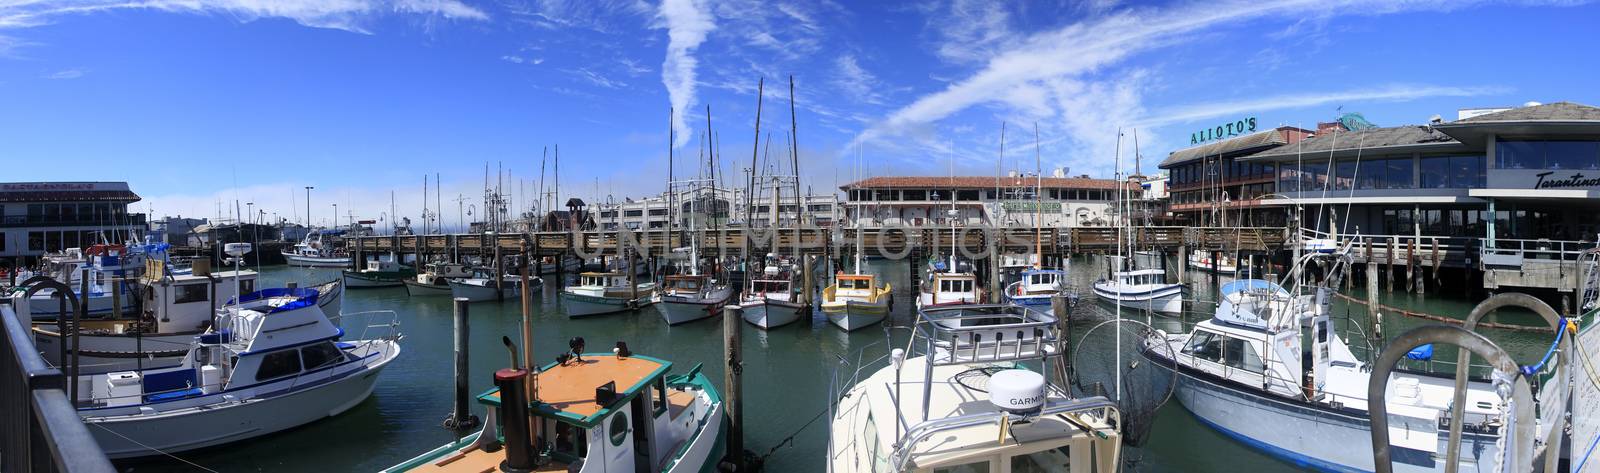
(1016, 390)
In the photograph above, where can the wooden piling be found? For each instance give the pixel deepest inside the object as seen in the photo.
(1374, 317)
(1411, 265)
(808, 284)
(1388, 269)
(733, 381)
(1060, 308)
(461, 418)
(1183, 263)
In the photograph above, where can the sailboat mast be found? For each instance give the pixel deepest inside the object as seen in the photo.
(1038, 201)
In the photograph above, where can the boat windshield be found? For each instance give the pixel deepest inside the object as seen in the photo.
(1048, 461)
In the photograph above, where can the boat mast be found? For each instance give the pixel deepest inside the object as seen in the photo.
(755, 151)
(1038, 201)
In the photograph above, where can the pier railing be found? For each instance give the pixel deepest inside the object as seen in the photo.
(40, 430)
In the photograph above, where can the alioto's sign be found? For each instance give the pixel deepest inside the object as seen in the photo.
(1226, 130)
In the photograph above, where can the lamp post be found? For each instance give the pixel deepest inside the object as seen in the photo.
(308, 207)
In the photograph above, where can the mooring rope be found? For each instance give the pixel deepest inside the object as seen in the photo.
(153, 449)
(790, 439)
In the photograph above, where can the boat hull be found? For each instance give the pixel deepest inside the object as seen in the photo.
(1167, 299)
(44, 306)
(131, 436)
(679, 309)
(769, 314)
(855, 315)
(357, 280)
(475, 293)
(416, 289)
(578, 305)
(316, 261)
(1310, 437)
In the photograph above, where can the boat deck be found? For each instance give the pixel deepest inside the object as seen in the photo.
(569, 388)
(474, 459)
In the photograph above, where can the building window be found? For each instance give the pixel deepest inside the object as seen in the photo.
(915, 194)
(1398, 174)
(35, 241)
(820, 207)
(967, 195)
(1547, 154)
(658, 212)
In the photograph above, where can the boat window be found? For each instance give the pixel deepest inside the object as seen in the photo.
(660, 398)
(320, 355)
(1058, 460)
(1204, 345)
(186, 293)
(975, 467)
(278, 364)
(247, 285)
(1241, 354)
(618, 428)
(879, 458)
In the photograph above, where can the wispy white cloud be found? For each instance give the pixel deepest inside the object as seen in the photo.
(348, 15)
(1073, 78)
(65, 74)
(688, 22)
(595, 78)
(854, 80)
(1389, 93)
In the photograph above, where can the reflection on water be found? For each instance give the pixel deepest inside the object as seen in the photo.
(787, 372)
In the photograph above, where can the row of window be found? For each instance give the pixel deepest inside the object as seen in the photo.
(760, 209)
(1428, 172)
(1213, 171)
(1547, 154)
(51, 241)
(1232, 352)
(918, 195)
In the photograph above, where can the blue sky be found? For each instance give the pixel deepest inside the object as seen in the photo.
(195, 102)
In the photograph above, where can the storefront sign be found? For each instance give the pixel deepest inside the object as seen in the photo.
(1049, 207)
(1226, 130)
(1549, 180)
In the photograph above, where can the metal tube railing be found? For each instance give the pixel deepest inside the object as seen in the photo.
(41, 430)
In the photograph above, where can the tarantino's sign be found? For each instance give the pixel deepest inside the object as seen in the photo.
(1226, 130)
(1548, 180)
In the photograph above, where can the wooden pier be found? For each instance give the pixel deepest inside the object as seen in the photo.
(889, 241)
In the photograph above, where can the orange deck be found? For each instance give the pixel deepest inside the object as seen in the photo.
(570, 387)
(476, 460)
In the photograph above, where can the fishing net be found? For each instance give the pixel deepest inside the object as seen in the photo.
(1146, 383)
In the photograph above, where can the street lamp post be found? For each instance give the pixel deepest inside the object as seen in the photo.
(308, 207)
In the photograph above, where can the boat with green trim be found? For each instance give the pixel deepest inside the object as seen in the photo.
(380, 273)
(598, 412)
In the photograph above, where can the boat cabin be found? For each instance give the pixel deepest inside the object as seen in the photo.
(1142, 277)
(597, 413)
(185, 303)
(947, 288)
(684, 284)
(382, 265)
(603, 279)
(855, 285)
(1041, 281)
(449, 270)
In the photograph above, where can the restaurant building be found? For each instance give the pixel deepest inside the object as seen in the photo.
(43, 217)
(1208, 185)
(1530, 172)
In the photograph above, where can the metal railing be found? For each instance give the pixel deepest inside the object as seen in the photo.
(40, 430)
(1540, 249)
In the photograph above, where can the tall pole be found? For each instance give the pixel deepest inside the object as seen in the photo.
(734, 381)
(755, 150)
(308, 208)
(794, 155)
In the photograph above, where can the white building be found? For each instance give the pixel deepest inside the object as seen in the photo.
(1010, 200)
(727, 208)
(41, 217)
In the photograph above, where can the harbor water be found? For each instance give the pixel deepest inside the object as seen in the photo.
(786, 376)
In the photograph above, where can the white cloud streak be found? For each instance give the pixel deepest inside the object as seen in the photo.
(65, 74)
(347, 15)
(688, 22)
(1390, 93)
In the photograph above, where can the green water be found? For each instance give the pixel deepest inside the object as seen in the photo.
(786, 378)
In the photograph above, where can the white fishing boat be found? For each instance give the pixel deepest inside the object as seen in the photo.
(179, 307)
(772, 301)
(1243, 373)
(598, 412)
(966, 401)
(605, 293)
(1222, 264)
(1036, 288)
(275, 362)
(435, 281)
(312, 252)
(1140, 289)
(546, 265)
(483, 288)
(949, 288)
(69, 267)
(686, 298)
(379, 273)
